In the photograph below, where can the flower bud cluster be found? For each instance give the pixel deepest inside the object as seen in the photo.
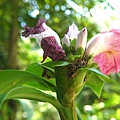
(104, 47)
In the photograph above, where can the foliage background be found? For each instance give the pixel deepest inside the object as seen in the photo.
(17, 53)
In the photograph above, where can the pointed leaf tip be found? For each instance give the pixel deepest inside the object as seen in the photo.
(95, 83)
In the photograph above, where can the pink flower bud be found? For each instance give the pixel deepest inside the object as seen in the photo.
(92, 45)
(66, 40)
(82, 39)
(72, 33)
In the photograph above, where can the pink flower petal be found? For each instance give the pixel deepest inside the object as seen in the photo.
(107, 41)
(72, 32)
(82, 38)
(66, 40)
(115, 30)
(48, 39)
(108, 62)
(40, 31)
(52, 49)
(107, 53)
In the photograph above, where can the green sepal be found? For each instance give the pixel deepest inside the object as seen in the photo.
(80, 52)
(94, 65)
(90, 61)
(73, 42)
(72, 46)
(70, 58)
(66, 48)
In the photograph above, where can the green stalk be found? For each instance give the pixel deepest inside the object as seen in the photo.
(67, 90)
(68, 113)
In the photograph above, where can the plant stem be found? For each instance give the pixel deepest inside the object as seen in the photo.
(68, 113)
(67, 89)
(74, 111)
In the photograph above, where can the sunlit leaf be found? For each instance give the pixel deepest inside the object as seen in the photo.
(10, 79)
(97, 72)
(38, 70)
(95, 83)
(28, 93)
(55, 64)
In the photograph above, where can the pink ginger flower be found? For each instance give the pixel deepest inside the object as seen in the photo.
(105, 48)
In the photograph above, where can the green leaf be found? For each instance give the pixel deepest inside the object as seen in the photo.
(95, 83)
(79, 51)
(55, 64)
(38, 69)
(37, 85)
(10, 79)
(97, 72)
(29, 93)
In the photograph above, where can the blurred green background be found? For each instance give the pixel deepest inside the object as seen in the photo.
(17, 52)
